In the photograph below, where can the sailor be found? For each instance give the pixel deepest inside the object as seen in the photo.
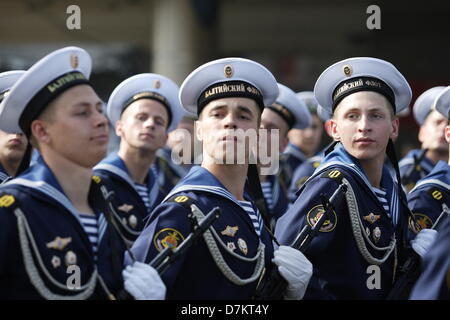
(363, 240)
(143, 109)
(419, 162)
(228, 95)
(429, 200)
(303, 143)
(307, 168)
(12, 145)
(56, 239)
(288, 112)
(182, 150)
(434, 282)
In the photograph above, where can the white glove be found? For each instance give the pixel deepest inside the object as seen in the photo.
(295, 269)
(423, 241)
(143, 282)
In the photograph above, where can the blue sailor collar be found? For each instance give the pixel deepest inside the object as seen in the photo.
(40, 179)
(439, 176)
(200, 179)
(340, 157)
(294, 151)
(115, 165)
(426, 163)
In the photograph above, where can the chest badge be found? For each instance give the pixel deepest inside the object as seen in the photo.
(372, 218)
(376, 234)
(70, 258)
(59, 243)
(230, 231)
(231, 246)
(56, 262)
(132, 220)
(242, 246)
(125, 207)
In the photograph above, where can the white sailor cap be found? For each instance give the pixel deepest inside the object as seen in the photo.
(39, 85)
(291, 109)
(228, 77)
(362, 74)
(442, 102)
(7, 80)
(424, 104)
(323, 114)
(313, 106)
(146, 86)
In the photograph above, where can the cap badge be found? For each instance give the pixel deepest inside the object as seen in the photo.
(156, 84)
(74, 61)
(347, 70)
(228, 71)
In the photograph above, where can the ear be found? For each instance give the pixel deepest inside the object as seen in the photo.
(119, 128)
(395, 126)
(447, 133)
(333, 130)
(283, 143)
(327, 126)
(39, 130)
(166, 136)
(422, 133)
(198, 130)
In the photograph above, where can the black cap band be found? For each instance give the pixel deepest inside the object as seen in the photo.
(149, 95)
(228, 89)
(284, 113)
(49, 92)
(353, 85)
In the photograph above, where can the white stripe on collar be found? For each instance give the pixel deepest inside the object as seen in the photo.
(206, 188)
(431, 181)
(117, 171)
(53, 193)
(50, 191)
(153, 192)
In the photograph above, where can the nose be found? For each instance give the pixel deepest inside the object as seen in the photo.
(100, 119)
(364, 124)
(230, 121)
(149, 123)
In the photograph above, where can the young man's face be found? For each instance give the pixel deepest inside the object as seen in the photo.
(431, 133)
(217, 126)
(12, 146)
(143, 125)
(363, 122)
(74, 126)
(308, 139)
(271, 120)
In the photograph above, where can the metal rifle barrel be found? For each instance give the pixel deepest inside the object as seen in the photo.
(163, 260)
